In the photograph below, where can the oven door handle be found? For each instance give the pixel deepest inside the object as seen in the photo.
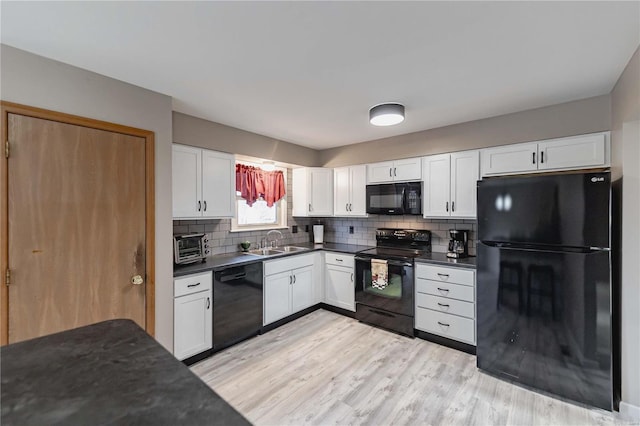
(389, 262)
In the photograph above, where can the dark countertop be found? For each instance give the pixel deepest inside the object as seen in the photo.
(442, 259)
(235, 259)
(111, 372)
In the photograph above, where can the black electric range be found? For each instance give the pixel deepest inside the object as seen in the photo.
(384, 297)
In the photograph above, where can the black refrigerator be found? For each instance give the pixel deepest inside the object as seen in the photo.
(544, 283)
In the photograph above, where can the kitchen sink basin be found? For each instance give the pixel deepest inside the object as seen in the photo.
(291, 249)
(264, 252)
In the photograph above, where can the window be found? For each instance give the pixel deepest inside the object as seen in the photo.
(259, 216)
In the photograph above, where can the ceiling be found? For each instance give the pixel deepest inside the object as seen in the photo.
(308, 72)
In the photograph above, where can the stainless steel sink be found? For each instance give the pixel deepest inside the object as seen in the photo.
(263, 252)
(291, 249)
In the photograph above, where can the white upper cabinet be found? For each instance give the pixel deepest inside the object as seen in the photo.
(576, 152)
(509, 159)
(579, 151)
(350, 185)
(437, 181)
(218, 184)
(450, 182)
(392, 171)
(465, 172)
(186, 170)
(312, 191)
(203, 183)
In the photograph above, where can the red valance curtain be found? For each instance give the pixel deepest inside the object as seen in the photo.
(254, 183)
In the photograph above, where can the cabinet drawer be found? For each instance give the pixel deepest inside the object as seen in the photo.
(288, 263)
(444, 274)
(339, 259)
(448, 290)
(191, 284)
(446, 325)
(445, 305)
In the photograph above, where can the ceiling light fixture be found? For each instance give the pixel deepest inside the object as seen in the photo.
(386, 114)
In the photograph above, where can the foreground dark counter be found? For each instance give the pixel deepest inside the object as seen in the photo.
(107, 373)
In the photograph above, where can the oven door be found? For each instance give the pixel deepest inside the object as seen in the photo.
(396, 296)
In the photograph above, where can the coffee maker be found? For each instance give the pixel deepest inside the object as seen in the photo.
(458, 244)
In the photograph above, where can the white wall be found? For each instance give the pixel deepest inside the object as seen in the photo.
(625, 138)
(40, 82)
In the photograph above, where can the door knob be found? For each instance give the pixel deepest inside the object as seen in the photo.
(137, 280)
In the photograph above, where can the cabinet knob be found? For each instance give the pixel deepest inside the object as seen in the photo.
(137, 280)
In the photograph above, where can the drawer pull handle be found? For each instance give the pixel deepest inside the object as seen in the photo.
(444, 289)
(338, 260)
(443, 324)
(443, 305)
(193, 285)
(443, 275)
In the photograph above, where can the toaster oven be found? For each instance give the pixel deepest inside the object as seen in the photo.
(189, 248)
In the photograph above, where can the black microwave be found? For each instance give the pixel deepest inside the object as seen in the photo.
(395, 198)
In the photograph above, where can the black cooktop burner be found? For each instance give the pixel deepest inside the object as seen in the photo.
(402, 244)
(391, 253)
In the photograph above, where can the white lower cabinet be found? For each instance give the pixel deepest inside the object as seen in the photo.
(192, 315)
(288, 286)
(445, 302)
(339, 281)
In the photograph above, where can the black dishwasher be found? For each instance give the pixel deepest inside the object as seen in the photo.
(237, 304)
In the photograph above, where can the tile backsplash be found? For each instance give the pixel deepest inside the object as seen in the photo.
(336, 230)
(221, 240)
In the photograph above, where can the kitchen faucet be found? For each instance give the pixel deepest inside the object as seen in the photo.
(266, 239)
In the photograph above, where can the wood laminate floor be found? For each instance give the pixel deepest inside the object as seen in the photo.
(325, 369)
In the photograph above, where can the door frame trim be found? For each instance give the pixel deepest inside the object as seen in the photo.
(7, 108)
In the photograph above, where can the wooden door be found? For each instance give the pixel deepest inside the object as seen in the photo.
(77, 220)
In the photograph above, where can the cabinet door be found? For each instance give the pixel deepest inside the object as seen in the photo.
(464, 183)
(509, 159)
(566, 153)
(277, 296)
(302, 289)
(299, 192)
(321, 189)
(186, 170)
(342, 191)
(358, 206)
(218, 184)
(436, 194)
(407, 169)
(380, 172)
(192, 324)
(340, 289)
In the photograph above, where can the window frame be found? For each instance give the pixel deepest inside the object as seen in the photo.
(281, 216)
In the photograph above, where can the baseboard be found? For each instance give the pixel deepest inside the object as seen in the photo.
(629, 411)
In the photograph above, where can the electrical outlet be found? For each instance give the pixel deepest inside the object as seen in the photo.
(351, 229)
(294, 229)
